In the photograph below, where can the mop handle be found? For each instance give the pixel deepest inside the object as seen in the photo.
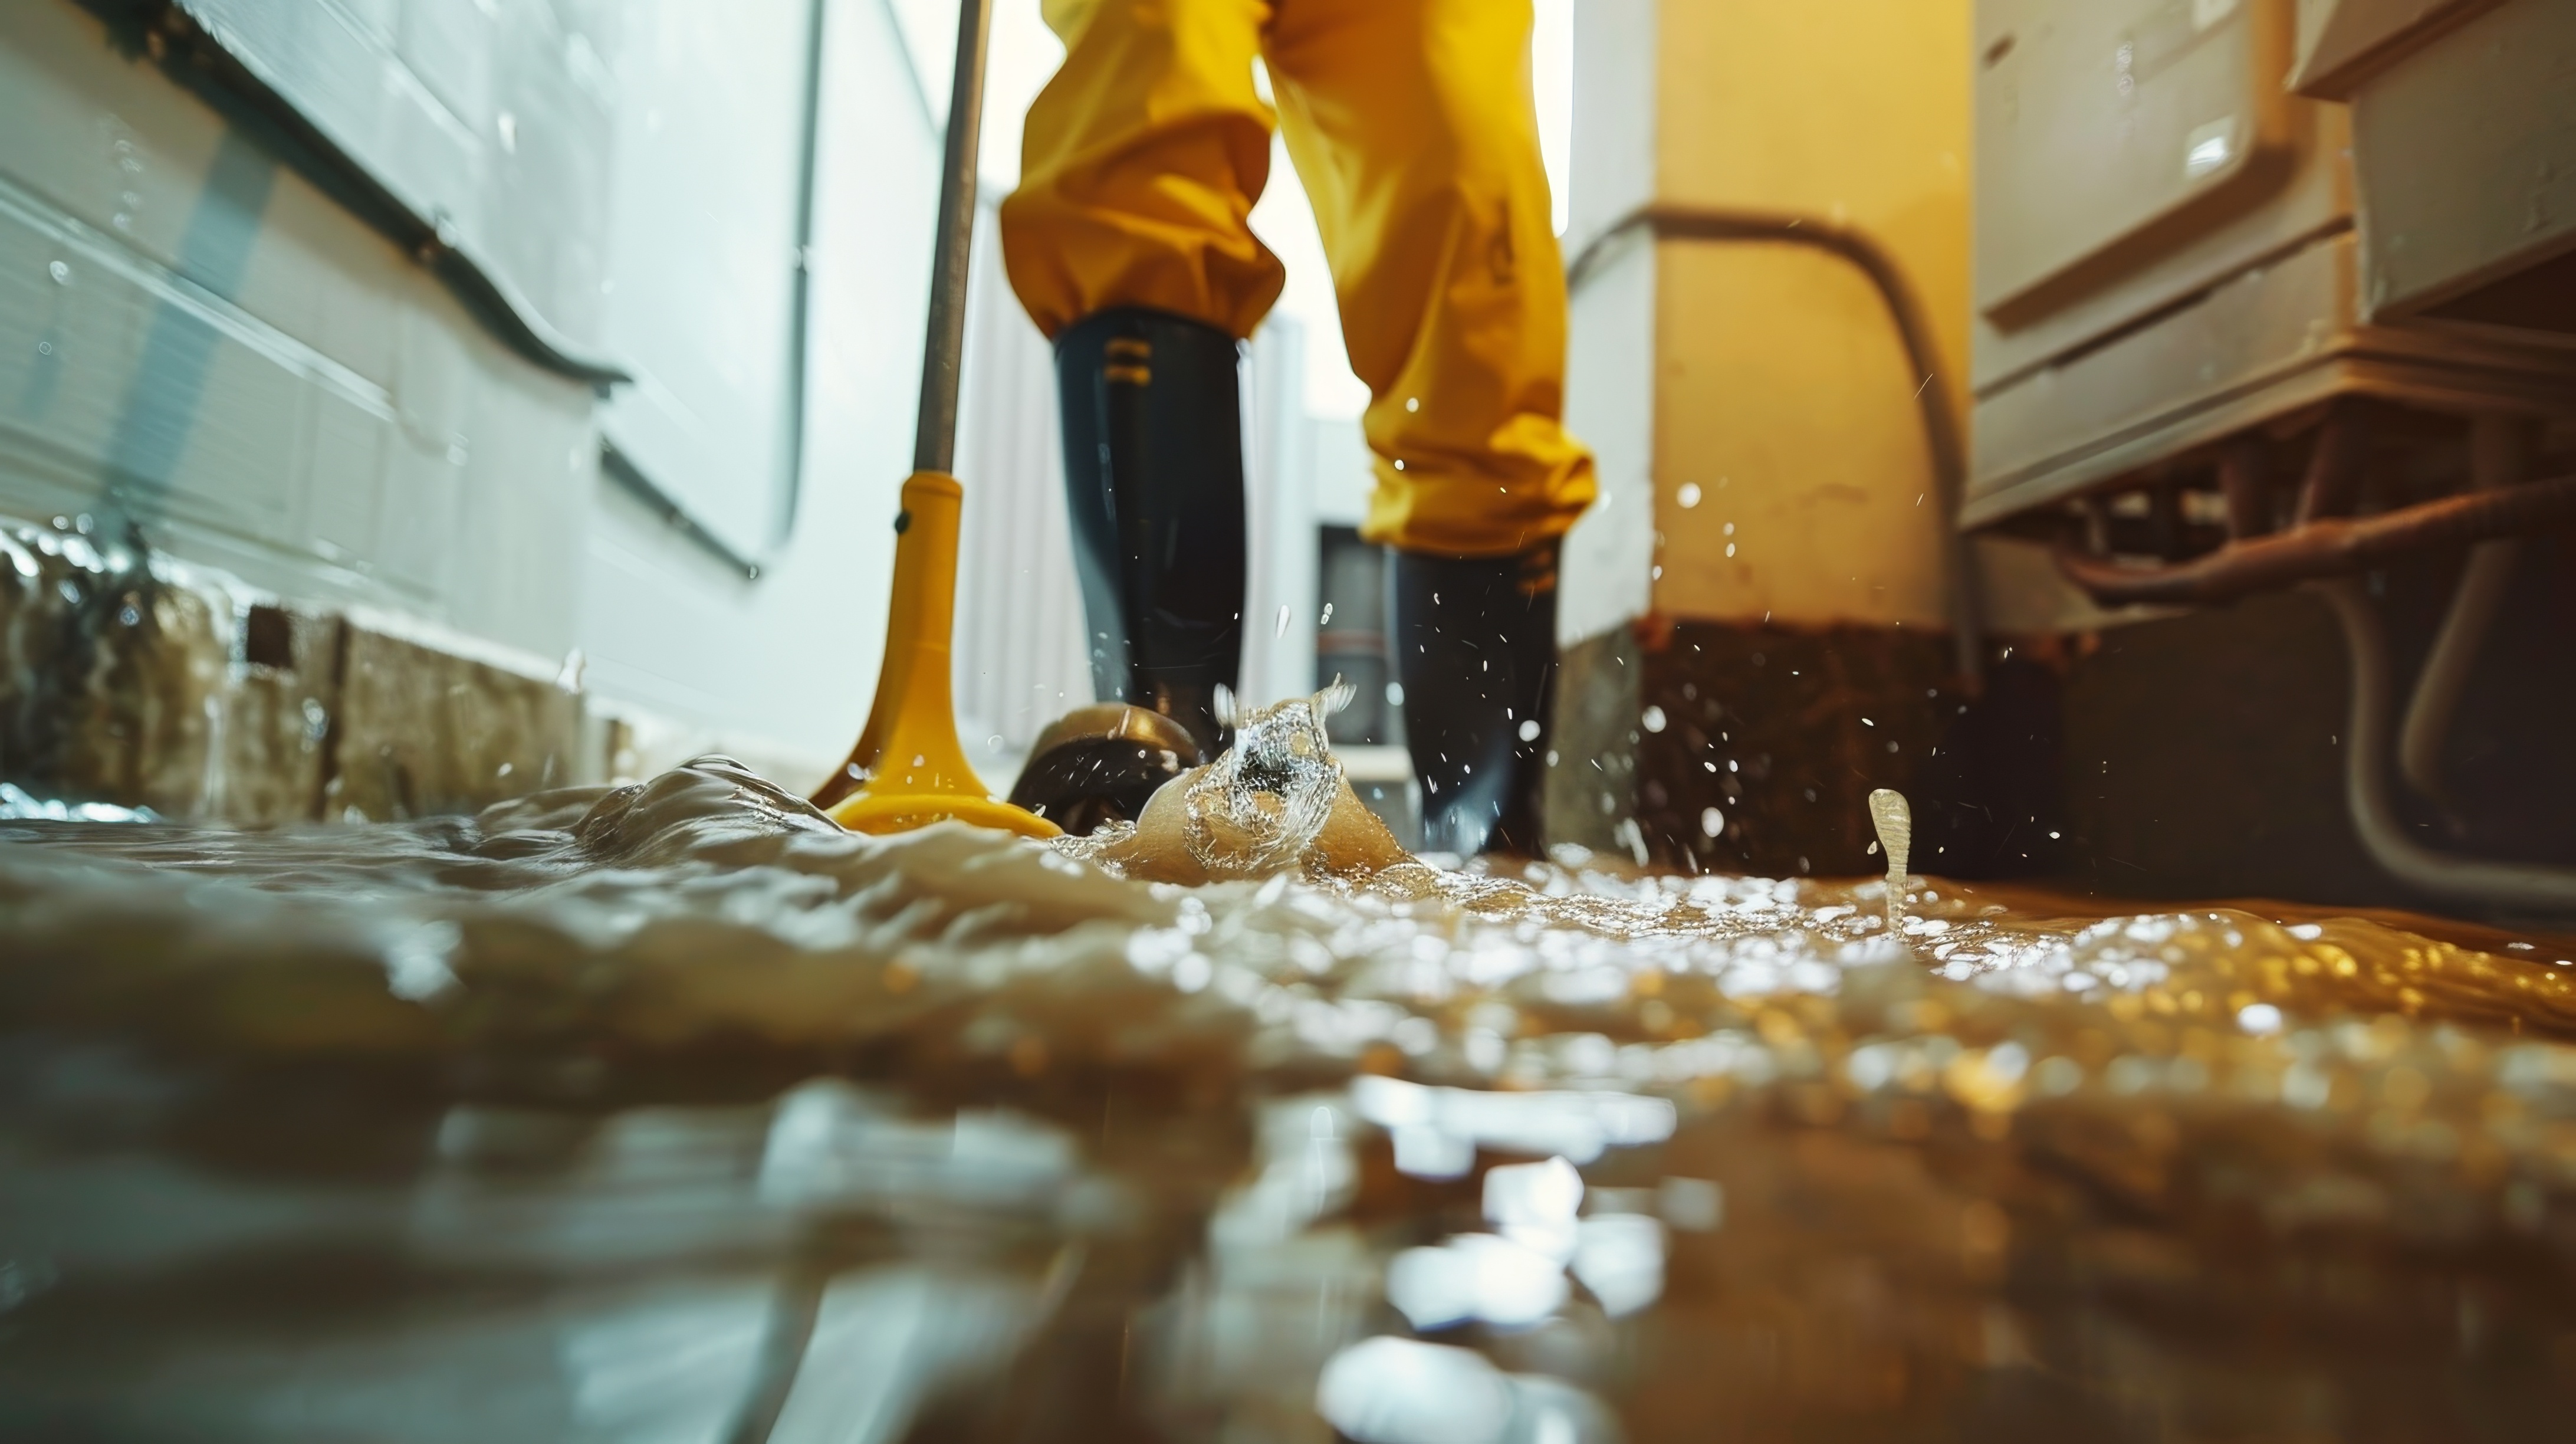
(934, 437)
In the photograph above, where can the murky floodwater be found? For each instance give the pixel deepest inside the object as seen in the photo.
(673, 1114)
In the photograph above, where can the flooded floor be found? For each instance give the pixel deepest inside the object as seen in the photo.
(671, 1113)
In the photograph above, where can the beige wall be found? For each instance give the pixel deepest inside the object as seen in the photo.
(1780, 388)
(1790, 399)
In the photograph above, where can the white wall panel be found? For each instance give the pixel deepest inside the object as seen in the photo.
(703, 256)
(789, 661)
(195, 341)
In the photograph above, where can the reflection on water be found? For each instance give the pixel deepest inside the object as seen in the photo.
(673, 1113)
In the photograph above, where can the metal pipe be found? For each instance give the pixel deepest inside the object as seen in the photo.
(2326, 548)
(1932, 399)
(2498, 454)
(2333, 484)
(934, 436)
(2492, 884)
(2244, 478)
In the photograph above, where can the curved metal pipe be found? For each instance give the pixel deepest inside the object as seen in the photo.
(2497, 456)
(2242, 480)
(2332, 486)
(2331, 547)
(2495, 884)
(1940, 422)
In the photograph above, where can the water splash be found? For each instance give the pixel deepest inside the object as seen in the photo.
(1264, 802)
(1894, 821)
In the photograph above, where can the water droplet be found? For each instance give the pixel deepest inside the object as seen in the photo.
(1281, 629)
(1688, 496)
(1711, 821)
(1652, 719)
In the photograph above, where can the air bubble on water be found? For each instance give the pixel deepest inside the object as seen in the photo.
(416, 961)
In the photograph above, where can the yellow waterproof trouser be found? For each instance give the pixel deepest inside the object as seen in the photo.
(1411, 123)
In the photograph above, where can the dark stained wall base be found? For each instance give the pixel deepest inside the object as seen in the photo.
(1782, 731)
(125, 679)
(2199, 756)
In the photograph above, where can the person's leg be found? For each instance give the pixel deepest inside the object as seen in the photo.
(1139, 166)
(1411, 123)
(1128, 243)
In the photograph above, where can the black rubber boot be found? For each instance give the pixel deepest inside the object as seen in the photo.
(1475, 650)
(1101, 764)
(1153, 468)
